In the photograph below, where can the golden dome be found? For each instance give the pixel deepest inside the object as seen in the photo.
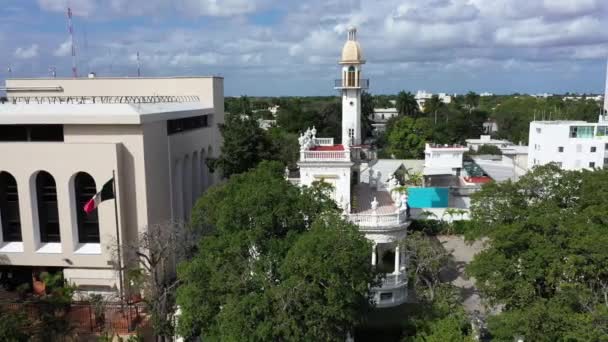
(352, 53)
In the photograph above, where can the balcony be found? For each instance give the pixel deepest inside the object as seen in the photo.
(324, 141)
(379, 222)
(392, 292)
(324, 156)
(351, 84)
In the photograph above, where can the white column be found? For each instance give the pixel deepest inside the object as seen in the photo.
(374, 255)
(397, 259)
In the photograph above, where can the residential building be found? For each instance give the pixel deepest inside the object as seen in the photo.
(422, 96)
(443, 159)
(380, 117)
(61, 140)
(362, 191)
(573, 145)
(474, 144)
(486, 94)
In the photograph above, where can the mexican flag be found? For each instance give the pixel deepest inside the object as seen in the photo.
(106, 193)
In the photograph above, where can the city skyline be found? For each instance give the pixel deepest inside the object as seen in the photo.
(276, 48)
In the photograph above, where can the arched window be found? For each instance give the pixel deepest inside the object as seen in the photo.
(88, 224)
(351, 77)
(48, 214)
(10, 221)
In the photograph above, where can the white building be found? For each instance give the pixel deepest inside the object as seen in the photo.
(422, 96)
(363, 192)
(475, 144)
(443, 159)
(573, 145)
(381, 116)
(486, 94)
(62, 139)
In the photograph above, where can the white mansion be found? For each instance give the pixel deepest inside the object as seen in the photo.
(363, 193)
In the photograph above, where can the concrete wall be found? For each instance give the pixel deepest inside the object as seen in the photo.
(336, 174)
(63, 161)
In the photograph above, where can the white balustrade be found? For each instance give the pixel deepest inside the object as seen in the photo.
(324, 156)
(378, 222)
(324, 141)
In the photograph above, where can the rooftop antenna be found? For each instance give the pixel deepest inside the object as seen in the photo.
(86, 46)
(138, 65)
(71, 31)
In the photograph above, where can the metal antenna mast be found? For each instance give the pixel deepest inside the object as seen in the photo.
(138, 65)
(71, 30)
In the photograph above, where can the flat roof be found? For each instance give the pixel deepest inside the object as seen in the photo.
(108, 78)
(97, 113)
(497, 169)
(564, 122)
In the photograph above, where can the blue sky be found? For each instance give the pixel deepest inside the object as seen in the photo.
(286, 47)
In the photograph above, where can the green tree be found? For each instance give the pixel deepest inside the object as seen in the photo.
(15, 326)
(406, 137)
(471, 101)
(245, 145)
(276, 263)
(407, 105)
(546, 257)
(489, 149)
(367, 110)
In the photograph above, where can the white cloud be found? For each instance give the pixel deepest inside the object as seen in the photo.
(64, 49)
(186, 59)
(27, 52)
(83, 8)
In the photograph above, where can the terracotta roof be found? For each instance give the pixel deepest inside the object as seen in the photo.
(328, 148)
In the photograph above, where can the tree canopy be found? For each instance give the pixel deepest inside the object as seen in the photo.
(276, 263)
(546, 260)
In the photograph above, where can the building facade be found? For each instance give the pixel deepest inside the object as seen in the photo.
(63, 139)
(365, 195)
(573, 145)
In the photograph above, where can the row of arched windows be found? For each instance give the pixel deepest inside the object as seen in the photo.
(191, 177)
(48, 212)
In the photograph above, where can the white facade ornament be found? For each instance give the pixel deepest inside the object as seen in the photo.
(374, 204)
(314, 132)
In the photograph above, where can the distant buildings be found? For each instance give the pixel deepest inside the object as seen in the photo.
(422, 96)
(486, 94)
(380, 117)
(572, 145)
(474, 144)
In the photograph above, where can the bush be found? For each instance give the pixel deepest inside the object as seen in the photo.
(489, 150)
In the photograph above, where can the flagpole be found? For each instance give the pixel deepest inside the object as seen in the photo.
(118, 240)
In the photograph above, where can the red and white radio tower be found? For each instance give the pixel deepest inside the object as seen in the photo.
(71, 30)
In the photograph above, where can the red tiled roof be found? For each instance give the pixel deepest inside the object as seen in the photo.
(328, 148)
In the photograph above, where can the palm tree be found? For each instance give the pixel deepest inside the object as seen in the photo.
(407, 105)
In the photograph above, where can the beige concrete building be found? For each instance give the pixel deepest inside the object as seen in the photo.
(62, 139)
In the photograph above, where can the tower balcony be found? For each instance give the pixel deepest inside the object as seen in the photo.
(351, 84)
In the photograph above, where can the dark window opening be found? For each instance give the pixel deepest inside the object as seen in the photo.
(31, 133)
(48, 214)
(88, 224)
(187, 124)
(593, 149)
(9, 208)
(386, 296)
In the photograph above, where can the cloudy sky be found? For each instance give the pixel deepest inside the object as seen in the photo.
(288, 47)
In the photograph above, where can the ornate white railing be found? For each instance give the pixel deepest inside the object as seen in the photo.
(379, 222)
(324, 141)
(392, 279)
(325, 156)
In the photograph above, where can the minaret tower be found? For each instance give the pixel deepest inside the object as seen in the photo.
(351, 86)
